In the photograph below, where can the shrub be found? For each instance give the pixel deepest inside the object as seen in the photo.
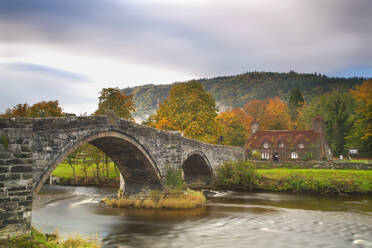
(308, 156)
(237, 175)
(173, 179)
(256, 154)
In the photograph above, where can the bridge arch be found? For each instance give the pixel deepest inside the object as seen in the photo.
(197, 169)
(138, 168)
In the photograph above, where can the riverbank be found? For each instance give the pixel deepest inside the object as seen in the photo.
(185, 199)
(244, 176)
(38, 239)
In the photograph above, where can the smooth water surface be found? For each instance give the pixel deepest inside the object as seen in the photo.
(229, 220)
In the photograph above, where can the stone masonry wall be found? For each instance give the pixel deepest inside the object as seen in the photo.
(15, 176)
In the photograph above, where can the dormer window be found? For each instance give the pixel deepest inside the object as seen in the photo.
(301, 145)
(281, 145)
(266, 145)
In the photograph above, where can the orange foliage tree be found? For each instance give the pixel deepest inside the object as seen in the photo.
(46, 109)
(19, 110)
(40, 109)
(270, 113)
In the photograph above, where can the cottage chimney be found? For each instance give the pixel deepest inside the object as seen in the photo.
(254, 127)
(318, 124)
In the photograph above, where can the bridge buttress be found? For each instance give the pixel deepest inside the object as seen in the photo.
(16, 188)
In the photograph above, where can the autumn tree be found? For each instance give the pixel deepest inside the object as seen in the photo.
(244, 118)
(191, 110)
(270, 113)
(113, 99)
(40, 109)
(232, 129)
(46, 109)
(19, 110)
(361, 133)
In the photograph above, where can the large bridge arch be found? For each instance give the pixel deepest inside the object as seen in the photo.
(138, 168)
(197, 169)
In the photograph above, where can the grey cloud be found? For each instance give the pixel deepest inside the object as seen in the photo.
(23, 83)
(46, 71)
(214, 38)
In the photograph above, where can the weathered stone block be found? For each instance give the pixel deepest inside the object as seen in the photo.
(21, 168)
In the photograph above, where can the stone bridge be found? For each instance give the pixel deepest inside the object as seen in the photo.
(30, 149)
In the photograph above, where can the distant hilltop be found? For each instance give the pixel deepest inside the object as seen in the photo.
(235, 91)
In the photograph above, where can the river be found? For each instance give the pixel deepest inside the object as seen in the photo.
(230, 219)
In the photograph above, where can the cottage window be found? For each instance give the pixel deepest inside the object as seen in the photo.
(281, 145)
(266, 145)
(265, 155)
(301, 145)
(294, 155)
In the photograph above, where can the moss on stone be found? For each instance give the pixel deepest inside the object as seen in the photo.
(4, 141)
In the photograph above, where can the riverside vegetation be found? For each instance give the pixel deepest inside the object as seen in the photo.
(173, 196)
(244, 176)
(38, 239)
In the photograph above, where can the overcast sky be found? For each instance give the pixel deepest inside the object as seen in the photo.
(69, 50)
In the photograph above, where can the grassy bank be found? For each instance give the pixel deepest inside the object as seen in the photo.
(174, 200)
(87, 176)
(244, 176)
(64, 170)
(41, 240)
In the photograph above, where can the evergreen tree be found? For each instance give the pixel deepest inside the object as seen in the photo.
(336, 108)
(296, 100)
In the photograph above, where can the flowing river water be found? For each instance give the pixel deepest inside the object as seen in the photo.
(229, 219)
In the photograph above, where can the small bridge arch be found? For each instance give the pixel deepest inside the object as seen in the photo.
(197, 169)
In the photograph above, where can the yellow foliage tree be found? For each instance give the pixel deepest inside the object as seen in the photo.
(189, 109)
(232, 129)
(116, 101)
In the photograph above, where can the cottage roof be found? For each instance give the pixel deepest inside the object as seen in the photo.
(274, 137)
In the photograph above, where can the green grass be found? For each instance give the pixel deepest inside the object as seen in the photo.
(316, 180)
(64, 170)
(41, 240)
(244, 176)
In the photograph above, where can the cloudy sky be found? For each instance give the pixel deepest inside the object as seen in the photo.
(69, 50)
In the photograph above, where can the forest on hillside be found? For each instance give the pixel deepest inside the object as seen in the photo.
(235, 91)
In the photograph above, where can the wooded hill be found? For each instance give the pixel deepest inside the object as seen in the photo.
(235, 91)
